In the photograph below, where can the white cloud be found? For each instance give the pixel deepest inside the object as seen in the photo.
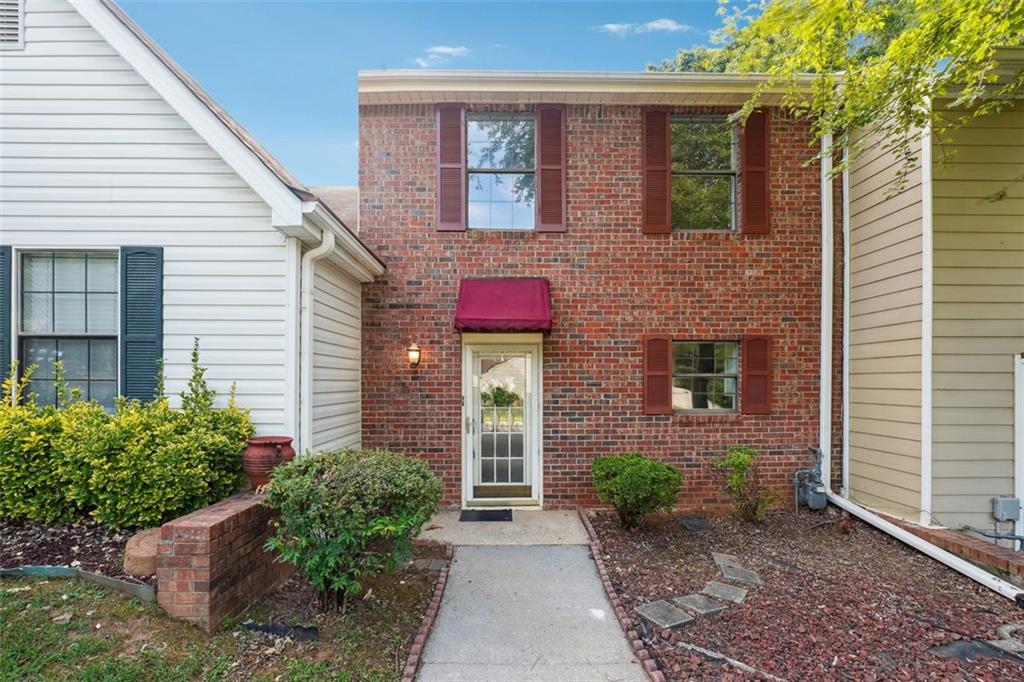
(663, 25)
(441, 54)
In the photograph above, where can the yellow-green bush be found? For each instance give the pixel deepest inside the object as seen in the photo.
(31, 483)
(142, 465)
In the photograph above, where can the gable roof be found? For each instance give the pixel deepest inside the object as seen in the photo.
(295, 210)
(243, 135)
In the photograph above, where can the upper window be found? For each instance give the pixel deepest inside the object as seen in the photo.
(502, 171)
(703, 173)
(704, 375)
(69, 313)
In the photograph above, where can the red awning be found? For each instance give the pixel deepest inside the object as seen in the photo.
(504, 305)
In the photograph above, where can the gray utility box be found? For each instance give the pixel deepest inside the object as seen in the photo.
(1005, 508)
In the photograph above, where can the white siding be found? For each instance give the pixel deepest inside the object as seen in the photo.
(92, 156)
(336, 358)
(885, 336)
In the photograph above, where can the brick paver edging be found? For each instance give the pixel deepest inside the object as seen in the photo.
(1003, 559)
(639, 650)
(420, 641)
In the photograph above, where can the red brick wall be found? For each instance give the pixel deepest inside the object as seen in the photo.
(211, 564)
(610, 284)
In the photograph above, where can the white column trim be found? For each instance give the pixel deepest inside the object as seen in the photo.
(926, 325)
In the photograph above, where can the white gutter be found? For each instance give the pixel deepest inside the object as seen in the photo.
(966, 568)
(306, 340)
(1018, 440)
(845, 490)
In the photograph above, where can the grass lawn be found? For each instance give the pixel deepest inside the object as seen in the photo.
(65, 629)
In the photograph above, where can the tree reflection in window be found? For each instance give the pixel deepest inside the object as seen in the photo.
(501, 160)
(703, 173)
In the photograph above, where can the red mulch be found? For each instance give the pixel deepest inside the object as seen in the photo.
(840, 601)
(85, 545)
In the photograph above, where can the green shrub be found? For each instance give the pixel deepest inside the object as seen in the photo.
(141, 465)
(349, 514)
(743, 481)
(32, 483)
(635, 485)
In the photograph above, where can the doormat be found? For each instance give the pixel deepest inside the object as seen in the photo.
(486, 515)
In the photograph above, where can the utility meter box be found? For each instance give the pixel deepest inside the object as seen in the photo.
(1005, 508)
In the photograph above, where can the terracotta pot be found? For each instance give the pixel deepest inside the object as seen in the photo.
(262, 454)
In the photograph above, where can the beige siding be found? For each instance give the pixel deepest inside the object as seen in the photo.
(93, 157)
(885, 336)
(979, 315)
(336, 358)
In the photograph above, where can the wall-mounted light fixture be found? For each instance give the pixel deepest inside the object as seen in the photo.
(414, 355)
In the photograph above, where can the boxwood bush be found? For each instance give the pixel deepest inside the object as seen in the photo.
(635, 485)
(139, 466)
(349, 514)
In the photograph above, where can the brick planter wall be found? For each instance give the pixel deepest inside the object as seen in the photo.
(211, 564)
(610, 284)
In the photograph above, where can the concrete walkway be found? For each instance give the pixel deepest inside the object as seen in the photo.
(534, 612)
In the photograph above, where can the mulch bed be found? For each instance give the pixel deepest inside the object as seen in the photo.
(85, 545)
(840, 600)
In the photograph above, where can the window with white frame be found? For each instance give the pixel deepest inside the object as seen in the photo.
(68, 313)
(703, 173)
(502, 171)
(705, 375)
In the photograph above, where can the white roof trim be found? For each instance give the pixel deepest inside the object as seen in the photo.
(410, 85)
(349, 253)
(285, 205)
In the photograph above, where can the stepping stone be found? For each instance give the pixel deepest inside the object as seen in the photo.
(726, 560)
(663, 614)
(700, 604)
(725, 592)
(740, 575)
(695, 524)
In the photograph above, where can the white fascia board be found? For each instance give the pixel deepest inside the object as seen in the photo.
(286, 207)
(349, 254)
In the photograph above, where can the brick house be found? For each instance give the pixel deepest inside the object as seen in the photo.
(591, 264)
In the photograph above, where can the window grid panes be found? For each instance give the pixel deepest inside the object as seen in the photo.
(501, 174)
(68, 293)
(703, 173)
(704, 375)
(69, 313)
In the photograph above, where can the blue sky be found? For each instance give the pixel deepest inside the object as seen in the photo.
(287, 70)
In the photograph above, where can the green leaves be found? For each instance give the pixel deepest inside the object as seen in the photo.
(142, 465)
(349, 514)
(876, 67)
(635, 485)
(743, 481)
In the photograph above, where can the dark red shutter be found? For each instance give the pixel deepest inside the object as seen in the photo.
(755, 217)
(451, 167)
(550, 169)
(756, 377)
(657, 172)
(657, 374)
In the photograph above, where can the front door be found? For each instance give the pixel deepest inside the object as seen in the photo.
(501, 425)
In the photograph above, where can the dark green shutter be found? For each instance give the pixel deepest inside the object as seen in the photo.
(142, 319)
(5, 310)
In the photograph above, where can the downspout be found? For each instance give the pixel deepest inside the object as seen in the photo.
(306, 340)
(966, 568)
(845, 490)
(1018, 441)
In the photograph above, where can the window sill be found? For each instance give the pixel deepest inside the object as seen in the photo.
(687, 417)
